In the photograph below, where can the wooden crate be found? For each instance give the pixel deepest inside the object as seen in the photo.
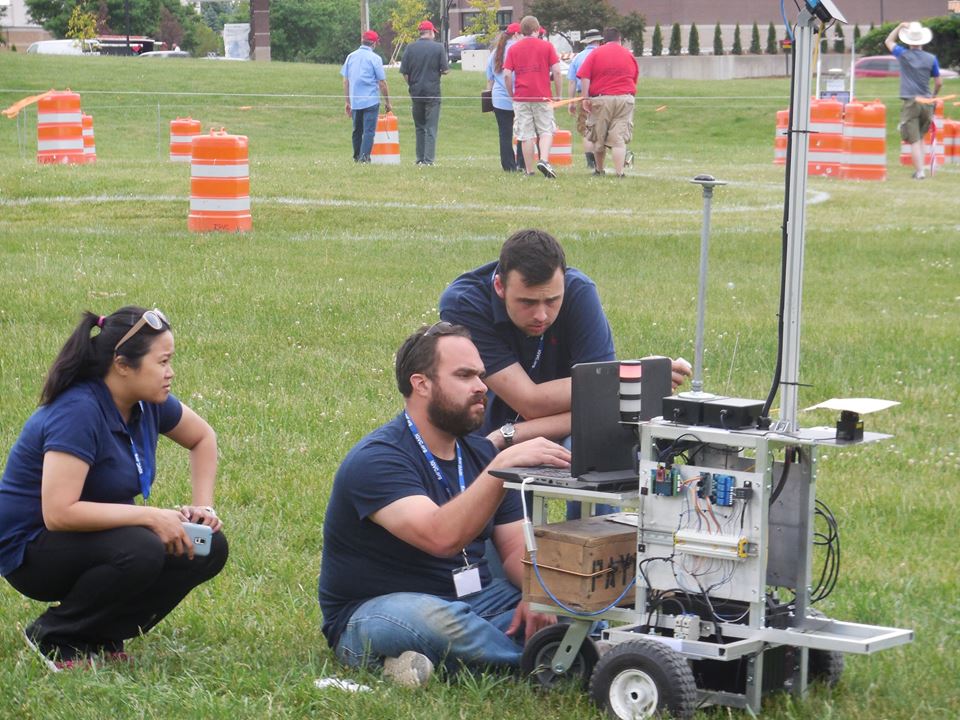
(585, 563)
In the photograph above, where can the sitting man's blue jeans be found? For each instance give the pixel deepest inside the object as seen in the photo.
(466, 632)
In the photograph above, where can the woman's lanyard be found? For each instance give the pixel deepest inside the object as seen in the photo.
(144, 471)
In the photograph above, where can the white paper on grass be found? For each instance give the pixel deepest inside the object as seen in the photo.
(338, 684)
(861, 406)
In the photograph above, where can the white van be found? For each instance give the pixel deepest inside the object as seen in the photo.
(64, 47)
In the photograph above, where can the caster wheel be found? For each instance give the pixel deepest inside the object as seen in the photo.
(538, 654)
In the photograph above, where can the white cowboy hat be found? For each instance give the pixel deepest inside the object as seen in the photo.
(592, 36)
(915, 34)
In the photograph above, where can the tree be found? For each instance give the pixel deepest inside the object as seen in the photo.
(755, 40)
(856, 36)
(737, 45)
(82, 24)
(170, 30)
(675, 39)
(404, 19)
(717, 40)
(484, 23)
(657, 41)
(693, 42)
(562, 16)
(632, 26)
(839, 42)
(323, 31)
(945, 44)
(771, 40)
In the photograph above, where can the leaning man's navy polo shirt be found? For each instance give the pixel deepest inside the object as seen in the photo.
(84, 422)
(580, 333)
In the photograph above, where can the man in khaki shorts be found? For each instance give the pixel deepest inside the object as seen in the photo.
(916, 69)
(608, 80)
(527, 71)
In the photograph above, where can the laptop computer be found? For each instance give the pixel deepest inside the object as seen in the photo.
(603, 452)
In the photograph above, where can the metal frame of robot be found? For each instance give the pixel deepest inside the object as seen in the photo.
(793, 514)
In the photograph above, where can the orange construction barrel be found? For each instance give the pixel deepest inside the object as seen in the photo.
(182, 133)
(59, 128)
(89, 145)
(951, 140)
(386, 142)
(864, 141)
(561, 152)
(780, 137)
(826, 137)
(219, 183)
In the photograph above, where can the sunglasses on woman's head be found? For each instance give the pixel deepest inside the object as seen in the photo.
(154, 318)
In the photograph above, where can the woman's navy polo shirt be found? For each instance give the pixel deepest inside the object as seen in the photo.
(84, 422)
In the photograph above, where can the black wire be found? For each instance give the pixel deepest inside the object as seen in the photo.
(787, 461)
(830, 572)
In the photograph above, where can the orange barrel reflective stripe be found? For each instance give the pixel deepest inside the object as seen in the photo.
(219, 183)
(928, 141)
(386, 142)
(182, 133)
(951, 140)
(826, 137)
(864, 141)
(59, 128)
(89, 146)
(561, 152)
(780, 137)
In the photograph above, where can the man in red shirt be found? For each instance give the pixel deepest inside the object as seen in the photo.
(608, 80)
(527, 71)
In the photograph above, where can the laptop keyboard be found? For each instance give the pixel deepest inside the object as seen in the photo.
(549, 471)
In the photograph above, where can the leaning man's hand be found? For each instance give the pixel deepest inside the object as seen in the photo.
(530, 621)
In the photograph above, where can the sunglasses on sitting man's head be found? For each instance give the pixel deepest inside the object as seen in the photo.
(154, 318)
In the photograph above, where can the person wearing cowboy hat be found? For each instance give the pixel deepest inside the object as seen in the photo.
(916, 68)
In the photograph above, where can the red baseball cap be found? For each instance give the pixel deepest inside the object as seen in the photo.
(542, 31)
(513, 28)
(371, 36)
(426, 25)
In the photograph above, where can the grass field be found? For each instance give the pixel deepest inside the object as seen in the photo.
(286, 336)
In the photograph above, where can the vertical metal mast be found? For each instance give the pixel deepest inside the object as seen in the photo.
(796, 221)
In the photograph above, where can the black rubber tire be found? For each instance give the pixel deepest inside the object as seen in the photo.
(644, 678)
(825, 666)
(538, 655)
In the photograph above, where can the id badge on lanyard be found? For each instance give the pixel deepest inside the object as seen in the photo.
(466, 580)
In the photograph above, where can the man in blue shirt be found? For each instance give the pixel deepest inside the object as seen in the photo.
(532, 318)
(404, 579)
(363, 81)
(916, 69)
(592, 39)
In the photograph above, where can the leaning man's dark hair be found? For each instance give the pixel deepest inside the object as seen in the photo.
(535, 254)
(418, 353)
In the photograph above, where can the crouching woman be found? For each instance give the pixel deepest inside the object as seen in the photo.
(71, 532)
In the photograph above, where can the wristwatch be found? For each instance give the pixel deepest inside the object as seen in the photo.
(508, 430)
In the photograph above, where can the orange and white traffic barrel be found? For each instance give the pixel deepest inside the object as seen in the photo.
(219, 183)
(89, 145)
(951, 140)
(59, 128)
(864, 141)
(182, 133)
(826, 137)
(561, 152)
(780, 137)
(386, 142)
(934, 137)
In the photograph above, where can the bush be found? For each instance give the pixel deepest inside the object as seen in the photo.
(675, 39)
(717, 40)
(693, 42)
(839, 42)
(737, 45)
(945, 44)
(657, 41)
(755, 40)
(771, 40)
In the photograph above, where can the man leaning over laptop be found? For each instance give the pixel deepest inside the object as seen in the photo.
(532, 318)
(403, 578)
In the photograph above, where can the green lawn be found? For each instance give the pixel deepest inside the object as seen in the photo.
(286, 336)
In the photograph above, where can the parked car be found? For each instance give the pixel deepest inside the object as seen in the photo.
(886, 66)
(166, 54)
(64, 47)
(460, 43)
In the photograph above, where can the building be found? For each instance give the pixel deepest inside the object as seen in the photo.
(17, 28)
(707, 13)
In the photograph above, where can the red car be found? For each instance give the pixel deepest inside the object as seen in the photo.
(886, 66)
